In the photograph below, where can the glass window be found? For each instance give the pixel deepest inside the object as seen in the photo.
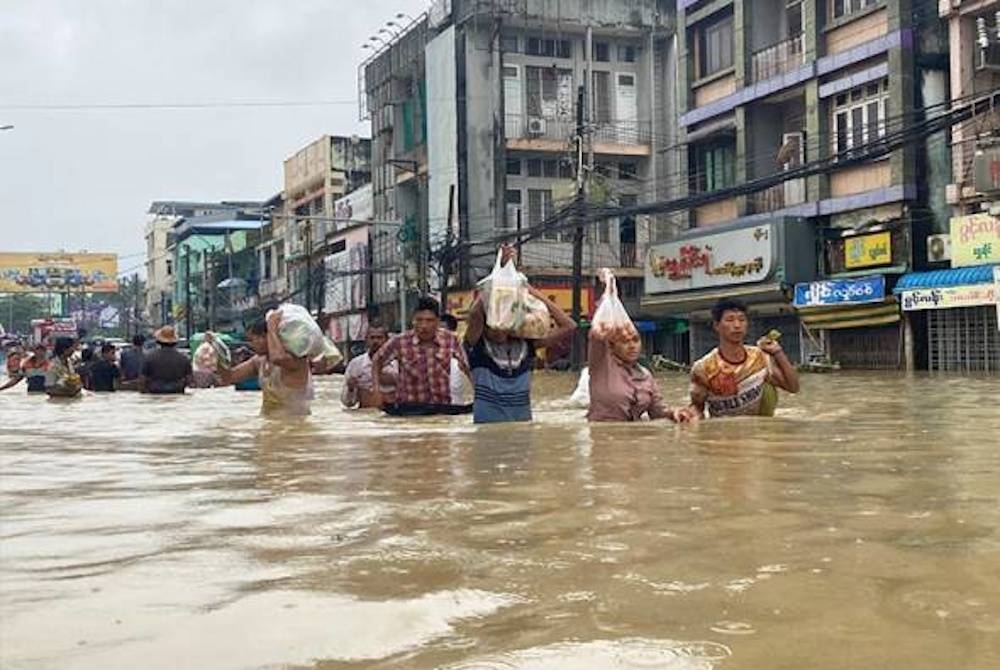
(514, 166)
(847, 7)
(551, 169)
(628, 171)
(534, 167)
(514, 214)
(510, 44)
(714, 166)
(539, 210)
(626, 54)
(716, 46)
(602, 52)
(859, 116)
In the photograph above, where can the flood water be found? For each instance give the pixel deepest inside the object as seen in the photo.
(858, 529)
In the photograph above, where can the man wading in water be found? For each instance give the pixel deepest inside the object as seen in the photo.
(735, 379)
(285, 380)
(424, 354)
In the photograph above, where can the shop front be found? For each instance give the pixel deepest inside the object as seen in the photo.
(756, 263)
(956, 310)
(852, 321)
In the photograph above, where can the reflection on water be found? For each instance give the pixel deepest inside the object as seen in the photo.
(857, 529)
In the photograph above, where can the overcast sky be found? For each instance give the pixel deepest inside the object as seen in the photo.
(83, 178)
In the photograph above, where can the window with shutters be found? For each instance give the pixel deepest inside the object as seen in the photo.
(602, 97)
(713, 166)
(715, 46)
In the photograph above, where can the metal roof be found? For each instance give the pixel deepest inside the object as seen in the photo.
(977, 274)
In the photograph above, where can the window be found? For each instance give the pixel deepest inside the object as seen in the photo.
(713, 166)
(513, 167)
(626, 54)
(549, 168)
(536, 46)
(859, 115)
(540, 209)
(602, 52)
(602, 97)
(509, 44)
(848, 7)
(549, 92)
(715, 47)
(628, 171)
(513, 202)
(534, 167)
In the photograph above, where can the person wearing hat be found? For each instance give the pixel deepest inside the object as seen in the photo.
(166, 370)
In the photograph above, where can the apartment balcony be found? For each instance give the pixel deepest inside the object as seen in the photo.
(777, 59)
(541, 133)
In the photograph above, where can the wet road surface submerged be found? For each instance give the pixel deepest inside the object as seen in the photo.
(858, 529)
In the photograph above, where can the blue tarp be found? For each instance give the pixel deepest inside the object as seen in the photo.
(977, 274)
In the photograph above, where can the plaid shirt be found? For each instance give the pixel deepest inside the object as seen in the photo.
(424, 369)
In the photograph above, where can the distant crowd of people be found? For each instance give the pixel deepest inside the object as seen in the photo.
(429, 370)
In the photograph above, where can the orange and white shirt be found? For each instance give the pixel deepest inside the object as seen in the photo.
(735, 389)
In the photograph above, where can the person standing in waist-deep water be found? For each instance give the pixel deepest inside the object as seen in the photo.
(360, 378)
(424, 354)
(285, 380)
(736, 379)
(206, 364)
(131, 363)
(86, 363)
(61, 379)
(620, 388)
(166, 371)
(104, 373)
(501, 363)
(17, 365)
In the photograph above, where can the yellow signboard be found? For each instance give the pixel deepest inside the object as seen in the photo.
(865, 251)
(975, 240)
(58, 273)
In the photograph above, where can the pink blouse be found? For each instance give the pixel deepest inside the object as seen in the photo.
(620, 392)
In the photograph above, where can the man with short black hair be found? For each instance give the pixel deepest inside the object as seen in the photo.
(104, 374)
(166, 370)
(424, 354)
(736, 379)
(360, 378)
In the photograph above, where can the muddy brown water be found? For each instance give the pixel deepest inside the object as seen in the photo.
(860, 528)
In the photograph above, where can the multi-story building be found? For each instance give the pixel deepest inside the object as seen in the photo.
(952, 308)
(393, 97)
(770, 85)
(273, 287)
(315, 177)
(160, 268)
(502, 80)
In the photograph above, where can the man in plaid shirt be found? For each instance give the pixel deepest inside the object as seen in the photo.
(424, 355)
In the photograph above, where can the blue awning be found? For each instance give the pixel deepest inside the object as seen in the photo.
(977, 274)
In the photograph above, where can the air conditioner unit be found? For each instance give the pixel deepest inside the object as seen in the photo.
(536, 126)
(938, 248)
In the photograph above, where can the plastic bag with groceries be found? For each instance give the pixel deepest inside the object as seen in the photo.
(611, 320)
(302, 336)
(509, 304)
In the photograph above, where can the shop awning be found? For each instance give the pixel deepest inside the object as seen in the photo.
(977, 274)
(851, 316)
(685, 302)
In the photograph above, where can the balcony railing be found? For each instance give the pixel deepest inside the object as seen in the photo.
(779, 196)
(777, 59)
(563, 128)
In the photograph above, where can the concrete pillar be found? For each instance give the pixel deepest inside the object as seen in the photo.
(909, 346)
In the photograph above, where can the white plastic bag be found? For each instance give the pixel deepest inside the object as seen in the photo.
(611, 320)
(504, 290)
(581, 396)
(509, 304)
(302, 336)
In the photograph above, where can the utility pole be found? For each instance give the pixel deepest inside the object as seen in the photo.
(188, 314)
(309, 253)
(135, 304)
(581, 209)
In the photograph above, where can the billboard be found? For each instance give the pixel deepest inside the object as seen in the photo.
(58, 273)
(865, 251)
(975, 240)
(743, 256)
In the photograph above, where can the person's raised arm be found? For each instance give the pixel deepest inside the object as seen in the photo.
(475, 322)
(565, 325)
(782, 373)
(276, 351)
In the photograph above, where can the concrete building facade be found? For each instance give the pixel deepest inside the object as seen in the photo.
(770, 85)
